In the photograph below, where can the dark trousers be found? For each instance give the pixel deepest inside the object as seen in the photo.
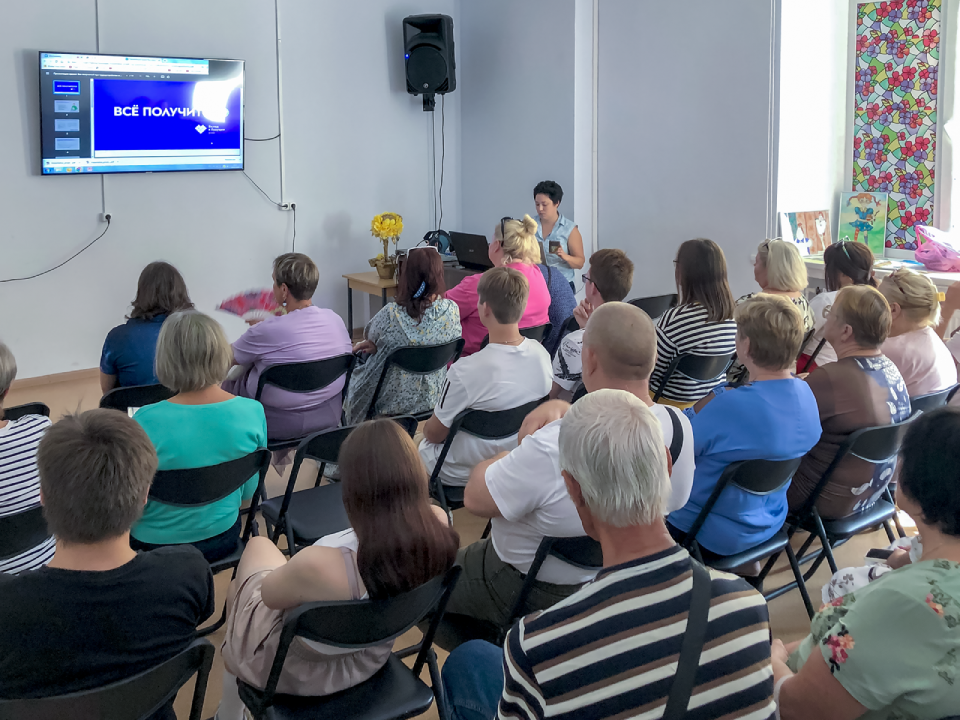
(213, 549)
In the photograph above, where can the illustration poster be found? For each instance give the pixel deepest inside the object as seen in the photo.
(863, 218)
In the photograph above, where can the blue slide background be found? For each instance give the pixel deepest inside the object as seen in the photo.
(119, 132)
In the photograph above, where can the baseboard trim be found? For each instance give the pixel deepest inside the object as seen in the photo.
(41, 380)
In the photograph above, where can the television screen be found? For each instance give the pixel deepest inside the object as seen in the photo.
(118, 113)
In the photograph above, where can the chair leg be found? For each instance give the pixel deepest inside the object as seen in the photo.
(438, 694)
(204, 631)
(291, 542)
(822, 534)
(486, 530)
(896, 522)
(887, 529)
(801, 585)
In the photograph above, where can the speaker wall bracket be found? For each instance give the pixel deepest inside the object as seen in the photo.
(429, 102)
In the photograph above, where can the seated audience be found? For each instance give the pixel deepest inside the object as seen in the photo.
(610, 279)
(562, 304)
(913, 345)
(127, 357)
(610, 650)
(99, 612)
(701, 324)
(199, 426)
(510, 371)
(523, 492)
(420, 316)
(559, 236)
(861, 389)
(397, 542)
(303, 333)
(19, 483)
(889, 649)
(774, 417)
(845, 263)
(515, 246)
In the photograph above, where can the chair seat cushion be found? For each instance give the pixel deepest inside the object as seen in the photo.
(230, 561)
(312, 513)
(858, 522)
(762, 551)
(393, 692)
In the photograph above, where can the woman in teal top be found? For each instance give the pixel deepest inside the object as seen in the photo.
(201, 425)
(891, 650)
(558, 236)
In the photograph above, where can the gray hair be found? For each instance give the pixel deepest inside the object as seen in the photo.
(8, 370)
(612, 445)
(192, 352)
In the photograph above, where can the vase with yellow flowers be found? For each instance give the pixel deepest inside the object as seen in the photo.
(387, 228)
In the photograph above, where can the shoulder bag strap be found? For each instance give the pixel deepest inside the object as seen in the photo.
(676, 443)
(689, 663)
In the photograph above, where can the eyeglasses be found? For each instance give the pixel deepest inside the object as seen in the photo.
(503, 234)
(586, 278)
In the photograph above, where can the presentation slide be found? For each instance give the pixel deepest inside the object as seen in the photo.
(139, 114)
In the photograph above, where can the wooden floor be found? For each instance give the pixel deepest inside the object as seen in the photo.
(787, 616)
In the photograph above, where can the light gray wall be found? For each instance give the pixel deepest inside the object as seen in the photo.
(687, 98)
(356, 144)
(517, 106)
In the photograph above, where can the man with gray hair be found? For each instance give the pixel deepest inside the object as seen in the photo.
(619, 645)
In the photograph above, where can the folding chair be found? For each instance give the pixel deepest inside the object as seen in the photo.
(932, 401)
(305, 377)
(195, 487)
(18, 411)
(696, 367)
(306, 516)
(135, 396)
(757, 477)
(394, 691)
(418, 360)
(537, 333)
(22, 531)
(135, 698)
(813, 355)
(484, 424)
(656, 305)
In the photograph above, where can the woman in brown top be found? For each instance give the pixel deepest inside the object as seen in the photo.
(862, 389)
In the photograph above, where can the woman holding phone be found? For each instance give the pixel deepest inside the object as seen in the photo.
(558, 236)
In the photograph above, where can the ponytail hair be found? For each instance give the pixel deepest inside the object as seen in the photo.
(916, 295)
(853, 259)
(519, 240)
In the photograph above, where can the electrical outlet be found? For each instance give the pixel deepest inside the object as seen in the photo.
(288, 205)
(105, 217)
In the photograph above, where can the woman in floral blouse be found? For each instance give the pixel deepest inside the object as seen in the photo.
(891, 649)
(420, 316)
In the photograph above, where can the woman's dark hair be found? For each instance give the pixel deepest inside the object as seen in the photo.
(930, 468)
(551, 189)
(402, 543)
(853, 259)
(160, 291)
(702, 278)
(421, 279)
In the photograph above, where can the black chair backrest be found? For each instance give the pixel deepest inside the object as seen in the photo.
(124, 398)
(757, 477)
(192, 487)
(417, 359)
(932, 401)
(309, 376)
(494, 425)
(135, 698)
(538, 333)
(656, 305)
(358, 624)
(696, 367)
(18, 411)
(21, 531)
(579, 392)
(569, 325)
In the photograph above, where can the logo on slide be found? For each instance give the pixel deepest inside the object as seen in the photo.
(201, 128)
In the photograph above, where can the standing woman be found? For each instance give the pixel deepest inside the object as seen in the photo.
(558, 236)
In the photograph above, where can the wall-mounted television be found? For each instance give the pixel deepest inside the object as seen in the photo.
(123, 113)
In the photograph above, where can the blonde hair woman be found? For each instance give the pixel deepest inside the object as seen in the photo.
(514, 245)
(779, 270)
(199, 426)
(913, 345)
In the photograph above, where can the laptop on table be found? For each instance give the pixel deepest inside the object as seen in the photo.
(471, 251)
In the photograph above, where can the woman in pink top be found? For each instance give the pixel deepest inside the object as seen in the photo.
(514, 245)
(914, 347)
(303, 333)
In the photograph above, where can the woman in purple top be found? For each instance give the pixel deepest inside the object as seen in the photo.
(303, 333)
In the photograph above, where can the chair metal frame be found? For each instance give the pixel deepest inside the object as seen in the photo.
(18, 411)
(696, 367)
(417, 360)
(124, 398)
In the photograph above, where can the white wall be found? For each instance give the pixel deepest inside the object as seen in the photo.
(356, 144)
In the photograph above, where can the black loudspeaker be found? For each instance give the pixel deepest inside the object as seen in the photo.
(429, 57)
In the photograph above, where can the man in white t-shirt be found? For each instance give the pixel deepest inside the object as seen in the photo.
(523, 491)
(610, 279)
(510, 371)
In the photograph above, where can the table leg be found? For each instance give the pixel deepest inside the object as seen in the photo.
(383, 298)
(350, 310)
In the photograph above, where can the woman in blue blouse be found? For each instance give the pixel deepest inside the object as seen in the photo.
(128, 351)
(558, 236)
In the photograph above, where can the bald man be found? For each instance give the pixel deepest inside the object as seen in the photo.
(523, 492)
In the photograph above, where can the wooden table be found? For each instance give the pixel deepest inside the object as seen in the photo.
(370, 283)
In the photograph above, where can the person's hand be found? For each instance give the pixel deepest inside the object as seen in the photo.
(365, 346)
(253, 321)
(778, 651)
(582, 313)
(898, 558)
(543, 415)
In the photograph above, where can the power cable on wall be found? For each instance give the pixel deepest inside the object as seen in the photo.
(443, 152)
(89, 244)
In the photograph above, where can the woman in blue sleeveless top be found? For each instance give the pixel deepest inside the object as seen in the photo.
(558, 236)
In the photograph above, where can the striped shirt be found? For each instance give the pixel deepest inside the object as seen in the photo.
(20, 484)
(611, 649)
(685, 329)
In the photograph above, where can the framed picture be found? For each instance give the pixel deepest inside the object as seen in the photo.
(863, 218)
(809, 230)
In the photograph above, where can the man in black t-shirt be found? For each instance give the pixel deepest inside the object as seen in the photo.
(99, 612)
